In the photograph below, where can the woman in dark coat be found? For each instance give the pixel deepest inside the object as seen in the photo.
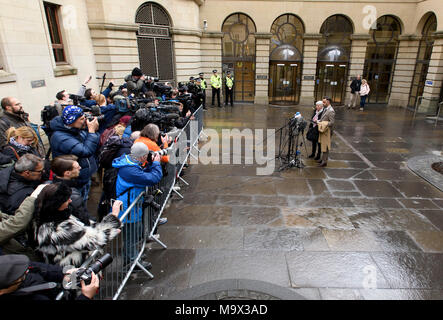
(316, 116)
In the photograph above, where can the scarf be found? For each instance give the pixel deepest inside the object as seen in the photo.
(19, 146)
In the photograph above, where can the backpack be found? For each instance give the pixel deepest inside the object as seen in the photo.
(108, 151)
(109, 192)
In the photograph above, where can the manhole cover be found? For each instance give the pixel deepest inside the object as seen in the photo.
(438, 166)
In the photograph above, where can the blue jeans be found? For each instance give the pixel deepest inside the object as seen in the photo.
(363, 101)
(132, 237)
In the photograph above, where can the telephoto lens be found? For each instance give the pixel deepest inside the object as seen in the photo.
(96, 267)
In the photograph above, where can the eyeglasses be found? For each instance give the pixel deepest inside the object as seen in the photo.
(40, 171)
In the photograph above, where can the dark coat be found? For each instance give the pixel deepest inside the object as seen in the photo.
(40, 273)
(14, 189)
(355, 85)
(7, 150)
(81, 143)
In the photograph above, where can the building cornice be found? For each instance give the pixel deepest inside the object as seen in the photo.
(212, 34)
(409, 37)
(360, 36)
(186, 32)
(312, 36)
(131, 27)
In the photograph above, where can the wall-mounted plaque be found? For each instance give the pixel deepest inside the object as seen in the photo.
(308, 77)
(38, 84)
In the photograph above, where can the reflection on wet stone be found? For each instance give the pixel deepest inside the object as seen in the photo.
(430, 241)
(329, 218)
(246, 216)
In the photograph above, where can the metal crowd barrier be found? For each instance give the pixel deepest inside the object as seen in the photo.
(128, 248)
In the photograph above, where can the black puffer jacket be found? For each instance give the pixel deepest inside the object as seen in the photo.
(14, 189)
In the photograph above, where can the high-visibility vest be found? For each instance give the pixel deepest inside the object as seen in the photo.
(203, 84)
(229, 82)
(216, 81)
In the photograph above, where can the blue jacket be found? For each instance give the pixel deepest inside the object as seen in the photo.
(128, 131)
(89, 103)
(80, 143)
(132, 175)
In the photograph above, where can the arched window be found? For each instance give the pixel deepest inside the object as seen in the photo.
(239, 54)
(423, 59)
(334, 51)
(286, 55)
(154, 41)
(381, 54)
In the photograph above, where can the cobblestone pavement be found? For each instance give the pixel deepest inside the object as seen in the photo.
(365, 227)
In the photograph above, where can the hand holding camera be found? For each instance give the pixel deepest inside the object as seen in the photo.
(90, 290)
(92, 125)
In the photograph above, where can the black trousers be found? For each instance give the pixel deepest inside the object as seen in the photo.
(229, 96)
(316, 147)
(204, 99)
(216, 92)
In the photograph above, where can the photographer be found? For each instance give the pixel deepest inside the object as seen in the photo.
(132, 179)
(185, 98)
(63, 99)
(19, 278)
(135, 82)
(60, 236)
(150, 135)
(69, 137)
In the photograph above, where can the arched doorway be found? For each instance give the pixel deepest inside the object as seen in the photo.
(154, 41)
(381, 54)
(334, 49)
(423, 59)
(285, 62)
(239, 55)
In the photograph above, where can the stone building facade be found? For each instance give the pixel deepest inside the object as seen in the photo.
(281, 52)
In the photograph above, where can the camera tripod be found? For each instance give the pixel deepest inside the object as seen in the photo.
(290, 143)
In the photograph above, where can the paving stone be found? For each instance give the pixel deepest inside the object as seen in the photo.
(247, 216)
(394, 175)
(227, 200)
(351, 240)
(341, 173)
(273, 201)
(435, 216)
(417, 189)
(378, 189)
(395, 241)
(346, 194)
(179, 237)
(418, 203)
(411, 270)
(330, 202)
(331, 269)
(430, 241)
(400, 294)
(365, 175)
(318, 187)
(438, 203)
(340, 185)
(292, 187)
(376, 203)
(388, 219)
(198, 215)
(329, 218)
(388, 165)
(243, 265)
(344, 156)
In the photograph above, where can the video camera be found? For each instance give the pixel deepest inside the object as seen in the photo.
(163, 115)
(150, 202)
(76, 99)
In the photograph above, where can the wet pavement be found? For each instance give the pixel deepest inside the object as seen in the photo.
(365, 227)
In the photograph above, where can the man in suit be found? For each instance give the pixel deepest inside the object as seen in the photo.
(328, 115)
(355, 92)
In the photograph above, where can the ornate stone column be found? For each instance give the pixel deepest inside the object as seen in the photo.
(211, 57)
(310, 52)
(404, 70)
(434, 79)
(262, 68)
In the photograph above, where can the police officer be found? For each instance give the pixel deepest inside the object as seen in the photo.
(216, 83)
(229, 88)
(199, 96)
(203, 86)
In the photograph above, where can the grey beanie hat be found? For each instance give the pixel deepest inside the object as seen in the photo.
(12, 267)
(139, 150)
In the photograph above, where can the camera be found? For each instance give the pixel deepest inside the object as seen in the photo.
(76, 100)
(161, 153)
(93, 112)
(297, 123)
(96, 267)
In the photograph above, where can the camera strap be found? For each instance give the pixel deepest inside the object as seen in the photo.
(39, 287)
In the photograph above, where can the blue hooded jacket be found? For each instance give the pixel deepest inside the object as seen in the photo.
(81, 143)
(131, 176)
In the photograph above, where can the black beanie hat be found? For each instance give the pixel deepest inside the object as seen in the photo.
(137, 72)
